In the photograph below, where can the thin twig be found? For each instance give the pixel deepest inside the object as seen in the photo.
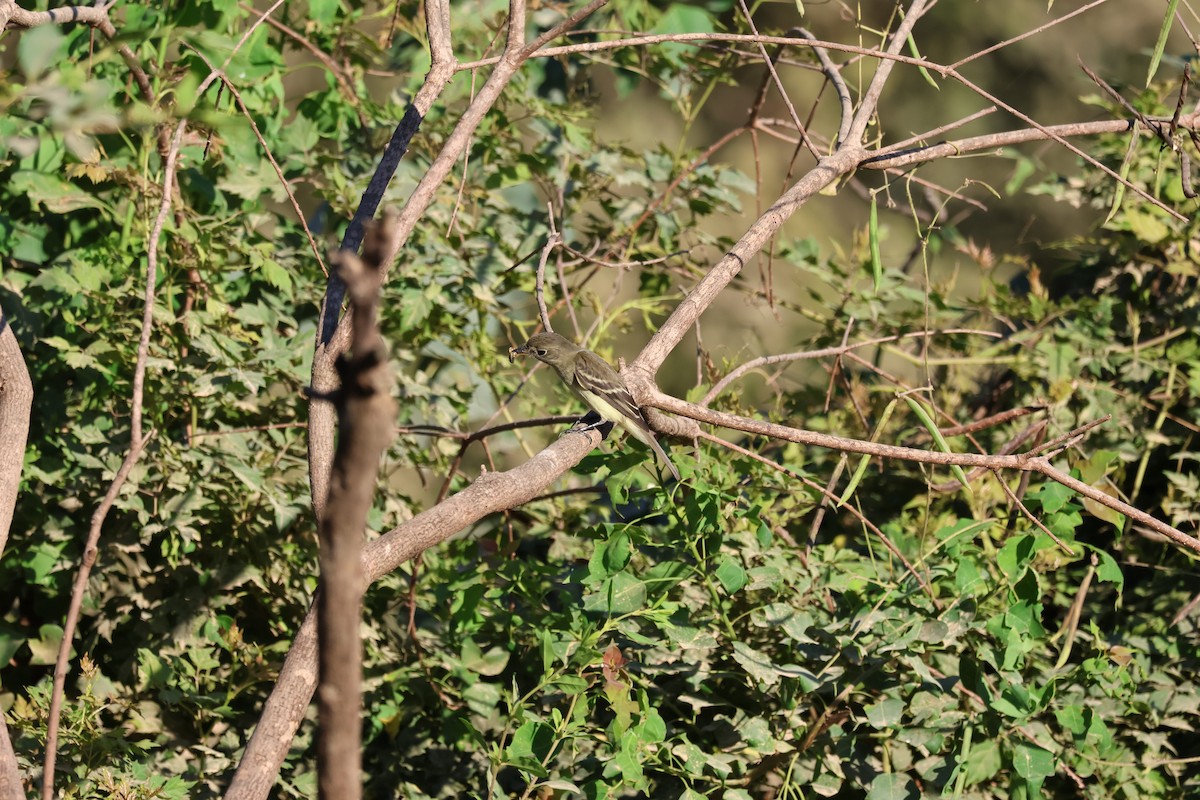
(826, 352)
(137, 443)
(1031, 517)
(779, 87)
(552, 241)
(1023, 462)
(283, 181)
(839, 85)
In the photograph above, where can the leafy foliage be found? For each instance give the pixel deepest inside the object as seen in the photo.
(736, 634)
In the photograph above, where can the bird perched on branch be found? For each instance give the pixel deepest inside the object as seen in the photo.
(596, 383)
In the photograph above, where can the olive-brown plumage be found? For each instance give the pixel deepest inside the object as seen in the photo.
(596, 383)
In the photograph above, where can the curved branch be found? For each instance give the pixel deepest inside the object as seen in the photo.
(1022, 462)
(839, 84)
(332, 340)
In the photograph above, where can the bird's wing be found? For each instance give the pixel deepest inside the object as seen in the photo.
(595, 376)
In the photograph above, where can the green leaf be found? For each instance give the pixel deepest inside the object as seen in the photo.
(620, 594)
(1032, 763)
(530, 745)
(984, 763)
(1161, 45)
(886, 713)
(45, 647)
(53, 193)
(731, 574)
(892, 786)
(38, 48)
(322, 12)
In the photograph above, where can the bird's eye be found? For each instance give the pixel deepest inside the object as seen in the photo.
(541, 353)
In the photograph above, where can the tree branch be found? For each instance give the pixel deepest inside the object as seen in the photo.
(492, 492)
(137, 443)
(366, 411)
(1023, 462)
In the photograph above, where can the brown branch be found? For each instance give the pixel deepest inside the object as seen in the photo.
(492, 492)
(339, 74)
(333, 336)
(827, 171)
(826, 352)
(61, 667)
(13, 16)
(1034, 32)
(331, 340)
(702, 39)
(365, 410)
(890, 158)
(283, 181)
(939, 130)
(839, 85)
(16, 400)
(137, 443)
(138, 440)
(1031, 517)
(870, 100)
(991, 421)
(265, 752)
(801, 128)
(1035, 432)
(1023, 462)
(552, 241)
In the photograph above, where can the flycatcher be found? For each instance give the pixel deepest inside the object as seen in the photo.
(595, 382)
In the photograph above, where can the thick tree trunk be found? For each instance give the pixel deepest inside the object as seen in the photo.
(16, 399)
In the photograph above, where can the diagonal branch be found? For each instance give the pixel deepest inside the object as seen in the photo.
(334, 336)
(323, 378)
(286, 708)
(1022, 462)
(137, 444)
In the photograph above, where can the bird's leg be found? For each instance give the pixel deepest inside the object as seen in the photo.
(593, 422)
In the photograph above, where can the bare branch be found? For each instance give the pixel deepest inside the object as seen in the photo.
(283, 181)
(332, 337)
(1033, 32)
(801, 128)
(553, 241)
(870, 100)
(1021, 462)
(835, 77)
(137, 443)
(783, 358)
(366, 411)
(331, 340)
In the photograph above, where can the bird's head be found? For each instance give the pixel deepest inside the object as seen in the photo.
(548, 347)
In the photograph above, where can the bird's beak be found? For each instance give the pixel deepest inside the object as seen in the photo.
(513, 352)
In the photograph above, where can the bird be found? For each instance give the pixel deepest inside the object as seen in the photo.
(594, 381)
